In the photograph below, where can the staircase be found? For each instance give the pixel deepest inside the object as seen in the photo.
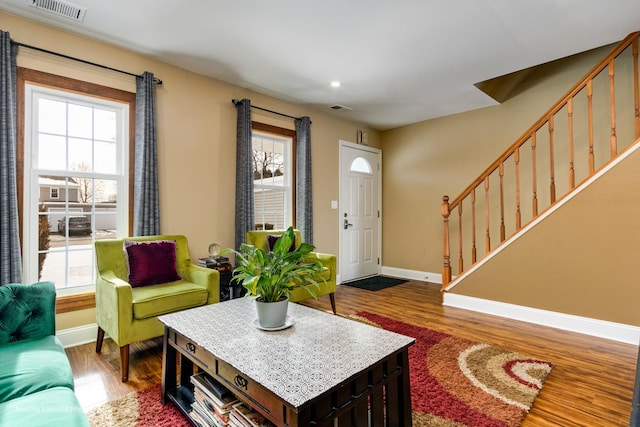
(578, 138)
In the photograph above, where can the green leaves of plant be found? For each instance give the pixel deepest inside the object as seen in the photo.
(273, 275)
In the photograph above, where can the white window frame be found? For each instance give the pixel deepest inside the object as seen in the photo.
(287, 186)
(53, 190)
(31, 174)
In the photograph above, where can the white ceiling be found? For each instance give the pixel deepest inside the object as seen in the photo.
(399, 62)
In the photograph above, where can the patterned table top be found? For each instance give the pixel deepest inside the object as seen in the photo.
(298, 364)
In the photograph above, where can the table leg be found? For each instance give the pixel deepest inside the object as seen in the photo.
(168, 367)
(186, 370)
(405, 388)
(376, 398)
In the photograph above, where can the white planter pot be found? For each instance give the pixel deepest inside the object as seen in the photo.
(272, 314)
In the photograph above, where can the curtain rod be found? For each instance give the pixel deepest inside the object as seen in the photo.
(156, 80)
(237, 101)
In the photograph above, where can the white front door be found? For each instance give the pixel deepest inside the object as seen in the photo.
(359, 211)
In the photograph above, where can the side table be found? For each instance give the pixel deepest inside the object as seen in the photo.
(228, 289)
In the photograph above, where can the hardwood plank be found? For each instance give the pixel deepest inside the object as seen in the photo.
(591, 383)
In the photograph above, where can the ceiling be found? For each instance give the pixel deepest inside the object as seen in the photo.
(399, 62)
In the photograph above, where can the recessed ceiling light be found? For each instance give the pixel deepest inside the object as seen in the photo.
(336, 83)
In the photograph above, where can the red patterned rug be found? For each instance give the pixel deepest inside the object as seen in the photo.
(141, 408)
(455, 382)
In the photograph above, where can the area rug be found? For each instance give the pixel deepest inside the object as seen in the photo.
(375, 283)
(141, 408)
(456, 382)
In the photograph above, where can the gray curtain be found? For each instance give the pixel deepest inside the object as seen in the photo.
(244, 173)
(304, 205)
(146, 205)
(10, 255)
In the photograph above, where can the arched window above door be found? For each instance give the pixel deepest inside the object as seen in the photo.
(360, 164)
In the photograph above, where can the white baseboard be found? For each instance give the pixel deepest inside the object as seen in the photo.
(583, 325)
(403, 273)
(77, 336)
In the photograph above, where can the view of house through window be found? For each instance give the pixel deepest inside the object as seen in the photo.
(75, 184)
(272, 180)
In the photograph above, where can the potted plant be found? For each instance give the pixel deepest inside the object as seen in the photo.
(271, 276)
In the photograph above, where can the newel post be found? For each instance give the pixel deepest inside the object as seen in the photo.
(446, 267)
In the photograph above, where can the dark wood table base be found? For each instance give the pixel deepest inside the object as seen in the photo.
(377, 396)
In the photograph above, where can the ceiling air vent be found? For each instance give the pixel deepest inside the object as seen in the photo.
(60, 8)
(340, 107)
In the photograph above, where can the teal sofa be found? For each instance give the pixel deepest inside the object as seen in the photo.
(36, 383)
(259, 239)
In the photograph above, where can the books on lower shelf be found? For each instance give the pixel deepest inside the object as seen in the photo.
(211, 386)
(242, 415)
(212, 402)
(215, 406)
(204, 417)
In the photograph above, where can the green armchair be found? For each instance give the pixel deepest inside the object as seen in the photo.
(130, 313)
(258, 238)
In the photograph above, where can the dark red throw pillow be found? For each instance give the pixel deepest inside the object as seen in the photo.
(271, 242)
(151, 263)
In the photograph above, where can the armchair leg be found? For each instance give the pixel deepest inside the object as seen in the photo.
(124, 362)
(332, 297)
(99, 339)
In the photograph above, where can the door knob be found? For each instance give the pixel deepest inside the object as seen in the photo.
(347, 224)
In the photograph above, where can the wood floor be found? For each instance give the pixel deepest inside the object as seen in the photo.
(591, 383)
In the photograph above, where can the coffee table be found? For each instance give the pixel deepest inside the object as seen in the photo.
(322, 370)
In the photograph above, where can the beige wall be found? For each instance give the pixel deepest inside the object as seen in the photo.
(581, 260)
(196, 136)
(74, 319)
(424, 161)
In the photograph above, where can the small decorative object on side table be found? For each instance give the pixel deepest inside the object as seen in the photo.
(215, 261)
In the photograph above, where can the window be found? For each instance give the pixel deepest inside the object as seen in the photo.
(75, 183)
(360, 164)
(273, 177)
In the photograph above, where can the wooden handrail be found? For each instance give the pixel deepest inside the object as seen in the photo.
(586, 84)
(552, 111)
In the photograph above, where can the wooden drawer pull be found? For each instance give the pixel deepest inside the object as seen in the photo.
(240, 382)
